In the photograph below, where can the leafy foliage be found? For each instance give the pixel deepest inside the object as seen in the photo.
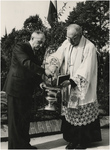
(93, 16)
(55, 34)
(33, 23)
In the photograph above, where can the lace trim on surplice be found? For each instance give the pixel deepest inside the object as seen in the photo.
(83, 115)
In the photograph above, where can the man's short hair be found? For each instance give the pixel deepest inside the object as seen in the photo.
(38, 32)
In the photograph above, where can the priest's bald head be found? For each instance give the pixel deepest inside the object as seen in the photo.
(74, 34)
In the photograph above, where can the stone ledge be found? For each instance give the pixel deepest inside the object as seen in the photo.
(45, 126)
(37, 127)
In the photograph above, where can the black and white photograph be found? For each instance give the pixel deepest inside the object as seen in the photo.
(54, 74)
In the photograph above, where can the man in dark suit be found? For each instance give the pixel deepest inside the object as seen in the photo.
(23, 75)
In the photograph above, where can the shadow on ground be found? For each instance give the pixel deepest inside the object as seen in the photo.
(62, 143)
(51, 144)
(105, 139)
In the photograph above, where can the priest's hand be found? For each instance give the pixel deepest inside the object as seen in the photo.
(65, 84)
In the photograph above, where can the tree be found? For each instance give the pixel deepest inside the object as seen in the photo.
(93, 16)
(57, 34)
(33, 23)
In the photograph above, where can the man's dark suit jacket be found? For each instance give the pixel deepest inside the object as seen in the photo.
(24, 72)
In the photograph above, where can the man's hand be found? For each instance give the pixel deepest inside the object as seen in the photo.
(42, 85)
(65, 84)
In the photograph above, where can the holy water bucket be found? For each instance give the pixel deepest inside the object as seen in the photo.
(51, 97)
